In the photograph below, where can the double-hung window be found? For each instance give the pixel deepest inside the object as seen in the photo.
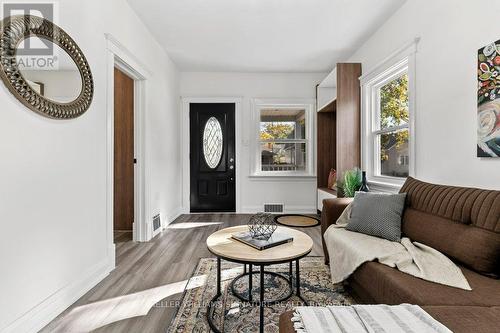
(282, 139)
(388, 126)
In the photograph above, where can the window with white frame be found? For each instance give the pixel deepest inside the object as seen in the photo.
(388, 107)
(283, 145)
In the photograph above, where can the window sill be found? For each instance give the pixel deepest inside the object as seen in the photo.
(385, 186)
(282, 176)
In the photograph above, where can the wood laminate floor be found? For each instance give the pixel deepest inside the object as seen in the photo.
(148, 272)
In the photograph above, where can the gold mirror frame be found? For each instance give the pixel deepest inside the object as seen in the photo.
(15, 29)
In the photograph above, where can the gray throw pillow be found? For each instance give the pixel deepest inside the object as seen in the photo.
(377, 215)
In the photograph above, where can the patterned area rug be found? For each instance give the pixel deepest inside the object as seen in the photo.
(316, 288)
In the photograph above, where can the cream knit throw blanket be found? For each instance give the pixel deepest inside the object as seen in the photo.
(404, 318)
(348, 250)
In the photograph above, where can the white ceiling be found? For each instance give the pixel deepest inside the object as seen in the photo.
(262, 35)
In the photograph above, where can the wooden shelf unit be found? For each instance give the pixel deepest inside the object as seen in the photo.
(327, 190)
(338, 124)
(329, 107)
(326, 146)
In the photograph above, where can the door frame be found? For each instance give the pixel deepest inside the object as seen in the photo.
(185, 148)
(118, 56)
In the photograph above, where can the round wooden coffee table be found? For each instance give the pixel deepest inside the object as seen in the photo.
(224, 247)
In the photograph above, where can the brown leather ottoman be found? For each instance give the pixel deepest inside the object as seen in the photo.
(285, 324)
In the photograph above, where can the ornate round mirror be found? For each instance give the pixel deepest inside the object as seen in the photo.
(44, 67)
(61, 82)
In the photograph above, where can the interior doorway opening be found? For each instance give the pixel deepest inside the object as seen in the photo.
(120, 58)
(123, 157)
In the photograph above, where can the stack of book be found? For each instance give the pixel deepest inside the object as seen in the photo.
(262, 244)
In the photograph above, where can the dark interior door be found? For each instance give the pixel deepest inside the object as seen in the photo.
(212, 155)
(123, 200)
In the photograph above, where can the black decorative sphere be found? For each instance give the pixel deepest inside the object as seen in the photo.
(262, 226)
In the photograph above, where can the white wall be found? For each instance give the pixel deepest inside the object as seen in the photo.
(451, 33)
(53, 173)
(296, 194)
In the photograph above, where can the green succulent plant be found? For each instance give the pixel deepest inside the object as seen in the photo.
(352, 182)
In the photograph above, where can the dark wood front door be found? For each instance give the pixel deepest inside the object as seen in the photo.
(123, 205)
(212, 154)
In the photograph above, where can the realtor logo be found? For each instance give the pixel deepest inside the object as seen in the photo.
(33, 53)
(45, 10)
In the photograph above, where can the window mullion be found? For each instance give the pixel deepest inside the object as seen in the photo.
(390, 129)
(284, 141)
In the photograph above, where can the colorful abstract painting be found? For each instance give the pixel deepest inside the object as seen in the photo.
(488, 101)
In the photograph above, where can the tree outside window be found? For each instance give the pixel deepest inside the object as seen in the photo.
(393, 132)
(282, 140)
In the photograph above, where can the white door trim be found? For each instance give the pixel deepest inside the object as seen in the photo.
(120, 57)
(185, 149)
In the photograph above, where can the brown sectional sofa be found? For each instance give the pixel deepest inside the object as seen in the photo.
(464, 224)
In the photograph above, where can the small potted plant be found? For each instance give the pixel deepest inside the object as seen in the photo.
(351, 182)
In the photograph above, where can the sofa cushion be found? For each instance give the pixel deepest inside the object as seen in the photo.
(470, 206)
(474, 247)
(462, 223)
(387, 285)
(465, 319)
(377, 215)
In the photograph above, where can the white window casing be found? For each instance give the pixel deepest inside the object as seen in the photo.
(255, 142)
(398, 63)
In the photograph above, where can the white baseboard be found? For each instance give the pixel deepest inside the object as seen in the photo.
(43, 313)
(134, 231)
(288, 209)
(255, 209)
(169, 218)
(111, 257)
(175, 214)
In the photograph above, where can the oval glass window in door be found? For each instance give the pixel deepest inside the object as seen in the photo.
(212, 142)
